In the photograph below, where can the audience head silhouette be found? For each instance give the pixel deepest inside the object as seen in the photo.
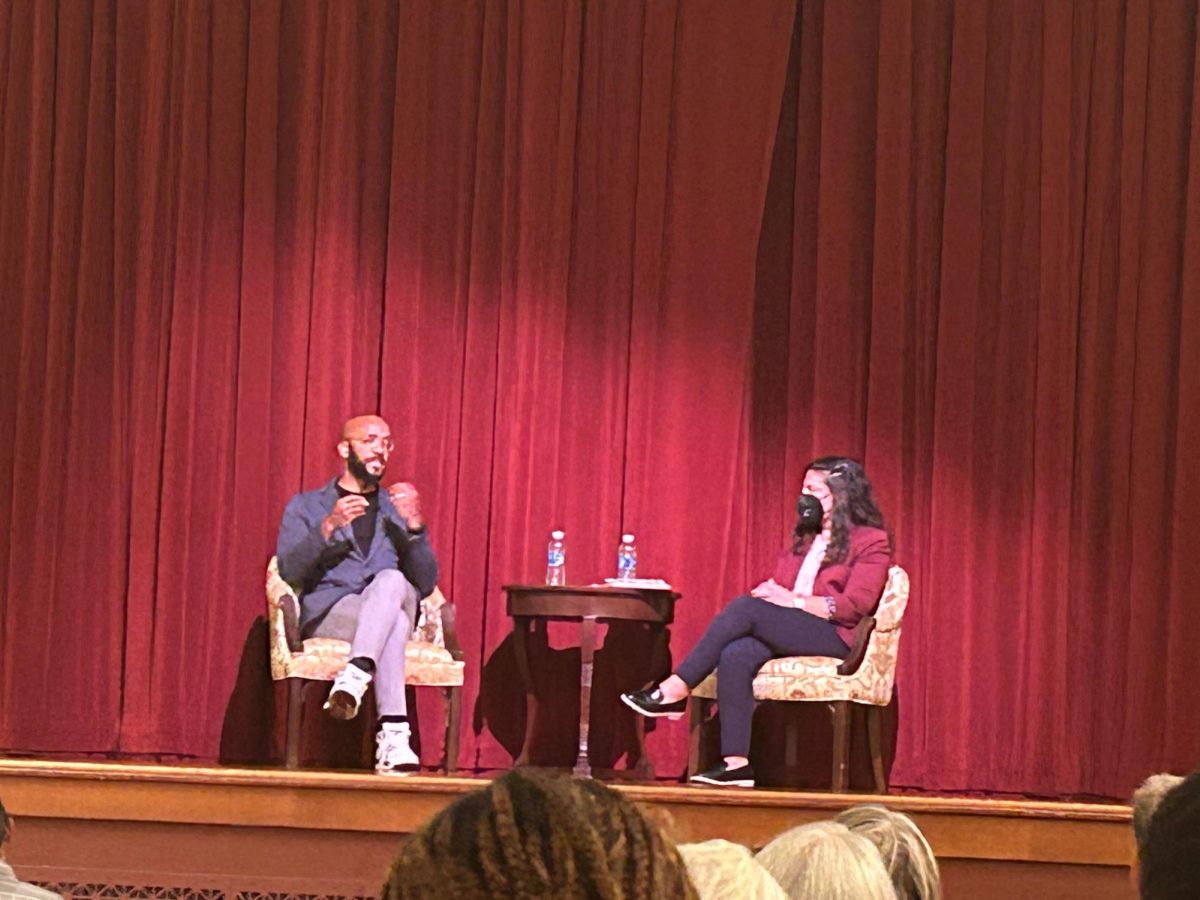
(721, 870)
(1169, 856)
(826, 861)
(902, 848)
(1146, 799)
(539, 834)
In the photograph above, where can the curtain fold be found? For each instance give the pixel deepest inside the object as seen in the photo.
(607, 267)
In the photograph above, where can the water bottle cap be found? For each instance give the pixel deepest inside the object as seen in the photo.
(558, 535)
(627, 538)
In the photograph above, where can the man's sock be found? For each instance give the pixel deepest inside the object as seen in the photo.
(392, 720)
(365, 663)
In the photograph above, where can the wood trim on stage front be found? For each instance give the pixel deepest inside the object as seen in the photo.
(291, 813)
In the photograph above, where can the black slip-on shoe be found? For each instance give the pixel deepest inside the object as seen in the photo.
(723, 776)
(650, 703)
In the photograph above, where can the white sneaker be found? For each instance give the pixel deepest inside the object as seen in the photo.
(393, 755)
(345, 697)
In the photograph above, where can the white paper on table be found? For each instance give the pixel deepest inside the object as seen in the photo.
(656, 584)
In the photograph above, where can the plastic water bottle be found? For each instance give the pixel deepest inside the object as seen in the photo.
(627, 558)
(556, 559)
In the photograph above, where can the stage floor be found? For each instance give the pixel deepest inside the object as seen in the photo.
(137, 830)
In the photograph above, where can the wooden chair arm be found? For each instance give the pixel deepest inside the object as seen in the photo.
(449, 632)
(858, 650)
(281, 597)
(289, 608)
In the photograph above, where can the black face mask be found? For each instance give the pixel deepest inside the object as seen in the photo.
(809, 513)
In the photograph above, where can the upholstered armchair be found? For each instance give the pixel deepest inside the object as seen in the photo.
(867, 677)
(433, 658)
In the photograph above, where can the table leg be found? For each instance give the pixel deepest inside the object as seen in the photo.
(645, 766)
(587, 652)
(521, 626)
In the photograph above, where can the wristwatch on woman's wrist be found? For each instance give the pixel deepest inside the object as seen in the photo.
(831, 606)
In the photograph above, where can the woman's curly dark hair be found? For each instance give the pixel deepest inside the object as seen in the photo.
(536, 833)
(853, 504)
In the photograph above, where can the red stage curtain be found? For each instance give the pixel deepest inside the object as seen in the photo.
(609, 266)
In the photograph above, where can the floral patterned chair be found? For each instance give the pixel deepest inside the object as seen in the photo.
(867, 677)
(433, 658)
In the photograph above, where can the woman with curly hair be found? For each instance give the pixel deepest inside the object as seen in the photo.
(830, 577)
(536, 833)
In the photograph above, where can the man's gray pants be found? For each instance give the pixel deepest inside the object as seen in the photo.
(378, 623)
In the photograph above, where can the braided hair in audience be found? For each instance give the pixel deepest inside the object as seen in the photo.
(536, 833)
(903, 849)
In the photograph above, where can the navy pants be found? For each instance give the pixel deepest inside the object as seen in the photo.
(742, 637)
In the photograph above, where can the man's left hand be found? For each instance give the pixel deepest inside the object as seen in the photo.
(408, 503)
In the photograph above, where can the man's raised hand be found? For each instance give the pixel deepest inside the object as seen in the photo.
(408, 504)
(345, 511)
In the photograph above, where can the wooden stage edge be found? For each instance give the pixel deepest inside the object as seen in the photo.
(156, 823)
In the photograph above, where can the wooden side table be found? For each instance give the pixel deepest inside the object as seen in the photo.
(531, 605)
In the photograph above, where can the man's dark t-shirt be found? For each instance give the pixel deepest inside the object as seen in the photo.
(364, 525)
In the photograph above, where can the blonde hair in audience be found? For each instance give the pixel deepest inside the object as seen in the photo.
(905, 853)
(721, 870)
(535, 833)
(826, 861)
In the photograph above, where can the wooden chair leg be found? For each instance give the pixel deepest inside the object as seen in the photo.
(875, 741)
(295, 713)
(453, 705)
(697, 707)
(370, 728)
(791, 756)
(841, 744)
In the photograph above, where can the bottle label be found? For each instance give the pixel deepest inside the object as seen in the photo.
(555, 558)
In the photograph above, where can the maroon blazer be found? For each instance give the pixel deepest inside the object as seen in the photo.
(855, 584)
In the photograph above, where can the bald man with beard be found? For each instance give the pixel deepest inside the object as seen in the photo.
(360, 560)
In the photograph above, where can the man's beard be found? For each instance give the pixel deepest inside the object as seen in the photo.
(359, 470)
